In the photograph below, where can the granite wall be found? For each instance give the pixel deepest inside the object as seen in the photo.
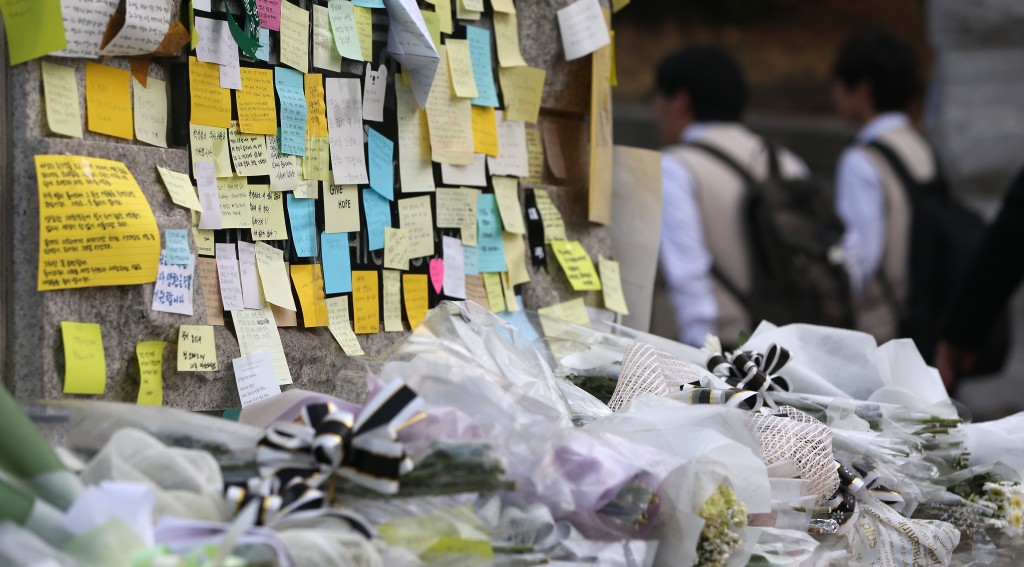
(33, 353)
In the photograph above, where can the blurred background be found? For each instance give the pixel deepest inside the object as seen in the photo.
(971, 53)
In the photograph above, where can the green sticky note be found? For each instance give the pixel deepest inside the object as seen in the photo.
(232, 414)
(34, 28)
(85, 365)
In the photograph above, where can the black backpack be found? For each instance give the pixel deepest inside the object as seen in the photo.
(793, 236)
(944, 235)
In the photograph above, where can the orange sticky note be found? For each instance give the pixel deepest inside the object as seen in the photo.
(108, 100)
(316, 110)
(366, 302)
(257, 111)
(309, 283)
(414, 288)
(485, 131)
(211, 105)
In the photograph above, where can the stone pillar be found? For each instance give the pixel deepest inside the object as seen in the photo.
(976, 110)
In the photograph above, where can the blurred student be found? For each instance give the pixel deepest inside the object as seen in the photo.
(705, 265)
(875, 81)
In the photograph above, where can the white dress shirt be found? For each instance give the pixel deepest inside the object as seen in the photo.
(860, 202)
(684, 256)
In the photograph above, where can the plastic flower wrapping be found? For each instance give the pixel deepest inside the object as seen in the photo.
(483, 441)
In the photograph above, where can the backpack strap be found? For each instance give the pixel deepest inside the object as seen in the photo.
(750, 184)
(914, 188)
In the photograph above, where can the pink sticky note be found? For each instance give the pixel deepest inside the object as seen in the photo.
(437, 273)
(270, 14)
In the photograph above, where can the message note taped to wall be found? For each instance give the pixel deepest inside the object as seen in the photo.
(576, 264)
(95, 225)
(573, 311)
(257, 331)
(151, 361)
(255, 377)
(341, 327)
(108, 100)
(365, 302)
(33, 28)
(197, 349)
(611, 284)
(85, 365)
(60, 88)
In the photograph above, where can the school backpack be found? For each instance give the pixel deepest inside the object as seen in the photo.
(944, 235)
(793, 236)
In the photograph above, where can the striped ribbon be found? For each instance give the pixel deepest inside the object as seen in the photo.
(756, 372)
(842, 507)
(296, 458)
(729, 397)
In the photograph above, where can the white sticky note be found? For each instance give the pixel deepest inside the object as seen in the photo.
(174, 287)
(583, 28)
(514, 159)
(345, 130)
(209, 196)
(374, 86)
(454, 268)
(230, 280)
(473, 175)
(252, 296)
(255, 377)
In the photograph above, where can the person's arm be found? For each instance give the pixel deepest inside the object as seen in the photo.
(685, 259)
(997, 269)
(860, 203)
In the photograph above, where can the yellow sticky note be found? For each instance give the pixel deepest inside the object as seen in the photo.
(248, 153)
(415, 218)
(599, 200)
(180, 188)
(506, 192)
(396, 248)
(60, 88)
(614, 78)
(95, 225)
(365, 302)
(341, 325)
(294, 37)
(444, 16)
(108, 100)
(316, 110)
(150, 355)
(434, 27)
(515, 258)
(309, 283)
(460, 67)
(495, 292)
(33, 28)
(576, 264)
(573, 311)
(197, 349)
(511, 303)
(364, 29)
(256, 330)
(505, 6)
(267, 209)
(85, 365)
(464, 12)
(274, 276)
(485, 131)
(257, 109)
(522, 88)
(414, 289)
(535, 155)
(611, 286)
(150, 111)
(506, 37)
(457, 208)
(208, 143)
(554, 226)
(393, 301)
(472, 5)
(316, 164)
(414, 165)
(619, 4)
(449, 119)
(341, 209)
(211, 105)
(203, 237)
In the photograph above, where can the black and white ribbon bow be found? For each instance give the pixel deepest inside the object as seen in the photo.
(729, 397)
(751, 371)
(296, 458)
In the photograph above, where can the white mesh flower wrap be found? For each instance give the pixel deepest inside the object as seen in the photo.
(647, 370)
(789, 434)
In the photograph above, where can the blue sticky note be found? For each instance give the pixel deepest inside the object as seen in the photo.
(480, 55)
(263, 53)
(337, 262)
(292, 94)
(176, 250)
(302, 216)
(469, 261)
(382, 168)
(489, 244)
(520, 321)
(378, 216)
(369, 3)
